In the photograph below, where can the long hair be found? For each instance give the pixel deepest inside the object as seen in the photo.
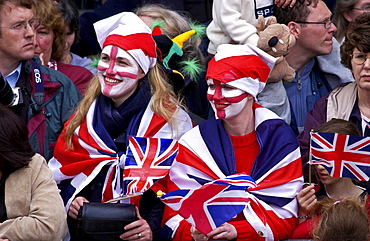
(164, 101)
(52, 19)
(342, 6)
(15, 149)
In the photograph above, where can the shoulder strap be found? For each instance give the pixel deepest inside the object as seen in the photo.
(38, 95)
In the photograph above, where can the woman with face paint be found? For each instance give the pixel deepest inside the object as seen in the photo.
(129, 98)
(243, 138)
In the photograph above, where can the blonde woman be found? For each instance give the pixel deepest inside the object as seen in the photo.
(129, 97)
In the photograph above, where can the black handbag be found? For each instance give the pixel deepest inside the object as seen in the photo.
(104, 221)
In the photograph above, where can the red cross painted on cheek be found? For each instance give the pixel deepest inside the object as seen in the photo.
(217, 92)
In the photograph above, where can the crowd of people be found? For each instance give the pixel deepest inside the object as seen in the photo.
(87, 101)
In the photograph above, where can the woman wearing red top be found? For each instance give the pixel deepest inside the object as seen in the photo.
(244, 137)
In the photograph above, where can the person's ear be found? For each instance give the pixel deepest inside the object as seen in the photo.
(295, 29)
(347, 16)
(141, 74)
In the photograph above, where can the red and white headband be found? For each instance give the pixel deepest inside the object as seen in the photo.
(245, 67)
(127, 31)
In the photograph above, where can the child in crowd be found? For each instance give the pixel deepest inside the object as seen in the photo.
(329, 187)
(234, 21)
(342, 220)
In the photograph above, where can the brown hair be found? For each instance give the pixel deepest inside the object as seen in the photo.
(342, 6)
(339, 126)
(15, 149)
(52, 19)
(342, 220)
(357, 36)
(22, 3)
(298, 13)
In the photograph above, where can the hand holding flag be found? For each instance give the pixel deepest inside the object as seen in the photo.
(213, 204)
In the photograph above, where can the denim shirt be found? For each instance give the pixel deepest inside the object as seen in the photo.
(305, 89)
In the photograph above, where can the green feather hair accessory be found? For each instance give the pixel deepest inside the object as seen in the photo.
(200, 30)
(192, 68)
(95, 61)
(156, 26)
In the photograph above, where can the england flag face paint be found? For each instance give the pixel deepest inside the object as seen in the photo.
(226, 101)
(118, 73)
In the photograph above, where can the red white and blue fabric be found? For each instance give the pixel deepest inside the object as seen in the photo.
(342, 155)
(206, 154)
(94, 149)
(213, 204)
(147, 160)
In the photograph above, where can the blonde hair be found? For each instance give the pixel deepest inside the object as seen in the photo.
(164, 101)
(174, 24)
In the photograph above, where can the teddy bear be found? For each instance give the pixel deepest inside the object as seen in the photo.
(276, 40)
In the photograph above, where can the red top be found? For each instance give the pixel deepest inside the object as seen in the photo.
(246, 149)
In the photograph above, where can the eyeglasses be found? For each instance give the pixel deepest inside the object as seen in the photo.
(359, 58)
(364, 9)
(33, 23)
(327, 23)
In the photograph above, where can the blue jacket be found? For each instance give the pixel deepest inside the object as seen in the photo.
(61, 97)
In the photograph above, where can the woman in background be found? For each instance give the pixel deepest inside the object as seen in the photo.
(30, 205)
(70, 14)
(50, 43)
(345, 12)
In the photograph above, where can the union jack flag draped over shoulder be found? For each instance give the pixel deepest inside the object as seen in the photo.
(341, 155)
(94, 149)
(206, 154)
(212, 204)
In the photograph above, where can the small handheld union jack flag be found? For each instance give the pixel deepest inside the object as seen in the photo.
(147, 160)
(342, 155)
(212, 204)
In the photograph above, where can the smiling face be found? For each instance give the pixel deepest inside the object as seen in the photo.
(227, 101)
(118, 74)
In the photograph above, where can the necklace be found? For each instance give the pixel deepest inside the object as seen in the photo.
(69, 58)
